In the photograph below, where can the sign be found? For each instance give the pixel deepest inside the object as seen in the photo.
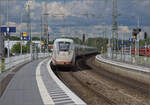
(8, 29)
(3, 29)
(120, 43)
(24, 34)
(26, 38)
(124, 42)
(131, 40)
(12, 29)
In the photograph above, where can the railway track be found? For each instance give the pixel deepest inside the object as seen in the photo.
(95, 87)
(86, 93)
(100, 95)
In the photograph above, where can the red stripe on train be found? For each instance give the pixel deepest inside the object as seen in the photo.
(61, 61)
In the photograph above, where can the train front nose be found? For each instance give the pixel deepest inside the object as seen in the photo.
(64, 58)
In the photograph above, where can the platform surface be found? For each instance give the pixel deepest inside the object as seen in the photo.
(33, 85)
(122, 64)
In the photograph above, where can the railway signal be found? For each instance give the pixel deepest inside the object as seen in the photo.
(145, 35)
(135, 33)
(83, 39)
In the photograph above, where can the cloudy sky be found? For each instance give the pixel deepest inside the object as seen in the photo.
(75, 17)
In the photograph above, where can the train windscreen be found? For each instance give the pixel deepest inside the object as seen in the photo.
(64, 46)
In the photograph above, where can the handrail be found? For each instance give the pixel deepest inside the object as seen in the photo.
(15, 60)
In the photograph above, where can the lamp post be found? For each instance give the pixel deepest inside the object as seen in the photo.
(115, 27)
(109, 44)
(21, 35)
(29, 25)
(41, 34)
(8, 29)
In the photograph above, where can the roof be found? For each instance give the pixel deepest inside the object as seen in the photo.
(63, 39)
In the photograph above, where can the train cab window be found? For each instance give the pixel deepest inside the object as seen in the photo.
(64, 46)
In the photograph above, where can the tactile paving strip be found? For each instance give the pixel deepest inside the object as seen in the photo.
(56, 93)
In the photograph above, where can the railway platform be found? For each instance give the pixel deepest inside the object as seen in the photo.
(36, 84)
(135, 72)
(123, 65)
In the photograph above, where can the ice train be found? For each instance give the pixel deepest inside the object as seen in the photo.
(65, 52)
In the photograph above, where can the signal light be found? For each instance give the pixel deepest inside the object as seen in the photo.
(136, 32)
(145, 35)
(134, 36)
(83, 38)
(139, 30)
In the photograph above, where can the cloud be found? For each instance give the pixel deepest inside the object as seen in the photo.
(56, 9)
(90, 14)
(147, 29)
(124, 29)
(22, 27)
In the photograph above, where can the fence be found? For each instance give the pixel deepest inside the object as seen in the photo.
(43, 55)
(15, 60)
(130, 59)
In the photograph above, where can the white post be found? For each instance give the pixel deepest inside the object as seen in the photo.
(137, 41)
(21, 34)
(21, 46)
(7, 33)
(131, 49)
(109, 48)
(122, 47)
(8, 28)
(41, 34)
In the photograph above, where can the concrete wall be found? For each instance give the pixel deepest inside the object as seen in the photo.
(125, 72)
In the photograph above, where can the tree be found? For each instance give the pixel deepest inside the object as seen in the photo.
(14, 38)
(35, 38)
(28, 47)
(16, 48)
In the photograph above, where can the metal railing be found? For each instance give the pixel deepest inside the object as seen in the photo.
(129, 58)
(15, 60)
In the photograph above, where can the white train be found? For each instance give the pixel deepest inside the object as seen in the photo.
(65, 52)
